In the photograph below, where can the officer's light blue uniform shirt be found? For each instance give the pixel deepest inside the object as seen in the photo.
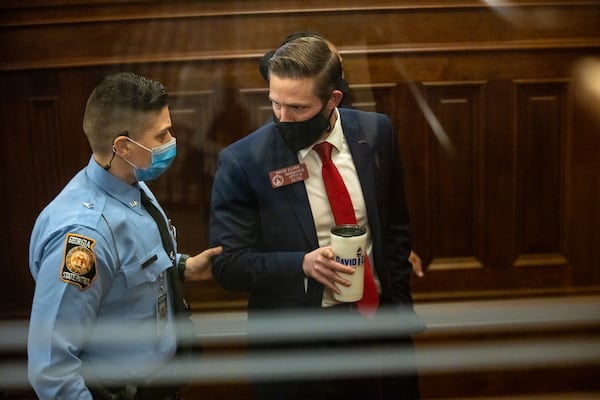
(101, 306)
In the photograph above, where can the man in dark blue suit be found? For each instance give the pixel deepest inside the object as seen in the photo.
(271, 214)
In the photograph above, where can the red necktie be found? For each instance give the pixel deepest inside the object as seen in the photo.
(343, 213)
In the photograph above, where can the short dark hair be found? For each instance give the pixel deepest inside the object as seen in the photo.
(309, 57)
(118, 104)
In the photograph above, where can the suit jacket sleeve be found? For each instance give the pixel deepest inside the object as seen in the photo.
(398, 244)
(248, 220)
(391, 223)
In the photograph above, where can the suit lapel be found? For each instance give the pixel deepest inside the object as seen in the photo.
(360, 145)
(362, 154)
(295, 194)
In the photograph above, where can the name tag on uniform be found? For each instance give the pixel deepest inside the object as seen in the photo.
(288, 175)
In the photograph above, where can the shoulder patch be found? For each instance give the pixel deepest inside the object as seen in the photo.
(79, 265)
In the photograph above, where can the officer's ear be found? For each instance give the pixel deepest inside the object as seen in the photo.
(121, 144)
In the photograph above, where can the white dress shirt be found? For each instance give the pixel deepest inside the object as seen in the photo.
(317, 195)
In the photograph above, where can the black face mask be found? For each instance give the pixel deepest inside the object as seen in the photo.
(299, 135)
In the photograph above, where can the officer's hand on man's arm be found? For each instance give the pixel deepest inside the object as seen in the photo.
(199, 267)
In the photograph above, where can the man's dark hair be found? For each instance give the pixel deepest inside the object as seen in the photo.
(309, 57)
(263, 65)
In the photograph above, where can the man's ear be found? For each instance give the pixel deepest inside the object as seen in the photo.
(336, 97)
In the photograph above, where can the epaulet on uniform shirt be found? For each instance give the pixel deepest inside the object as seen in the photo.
(85, 210)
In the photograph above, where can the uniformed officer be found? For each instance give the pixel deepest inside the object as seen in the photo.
(102, 320)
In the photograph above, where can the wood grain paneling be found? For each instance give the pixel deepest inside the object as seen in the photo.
(456, 200)
(541, 149)
(184, 183)
(540, 159)
(510, 209)
(153, 31)
(45, 131)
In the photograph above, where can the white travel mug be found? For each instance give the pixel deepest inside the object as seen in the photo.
(349, 243)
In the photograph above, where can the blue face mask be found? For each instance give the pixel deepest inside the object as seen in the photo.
(162, 158)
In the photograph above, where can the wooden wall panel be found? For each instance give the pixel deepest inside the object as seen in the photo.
(184, 183)
(115, 32)
(583, 217)
(456, 201)
(512, 210)
(45, 134)
(541, 149)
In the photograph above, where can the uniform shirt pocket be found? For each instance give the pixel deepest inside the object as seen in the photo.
(147, 269)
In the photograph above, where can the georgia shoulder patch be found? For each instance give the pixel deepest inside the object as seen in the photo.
(79, 265)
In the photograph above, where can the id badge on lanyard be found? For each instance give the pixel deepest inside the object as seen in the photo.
(162, 312)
